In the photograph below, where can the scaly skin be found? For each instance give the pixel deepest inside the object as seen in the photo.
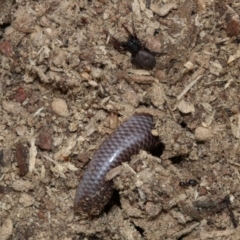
(93, 192)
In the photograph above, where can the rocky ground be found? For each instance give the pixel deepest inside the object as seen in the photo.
(64, 88)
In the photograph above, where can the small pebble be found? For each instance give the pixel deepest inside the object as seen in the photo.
(44, 141)
(154, 132)
(160, 75)
(202, 191)
(85, 75)
(6, 229)
(22, 185)
(189, 65)
(157, 95)
(6, 48)
(73, 127)
(26, 200)
(233, 27)
(203, 134)
(185, 107)
(41, 215)
(59, 106)
(20, 95)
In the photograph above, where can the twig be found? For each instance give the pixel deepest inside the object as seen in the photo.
(188, 87)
